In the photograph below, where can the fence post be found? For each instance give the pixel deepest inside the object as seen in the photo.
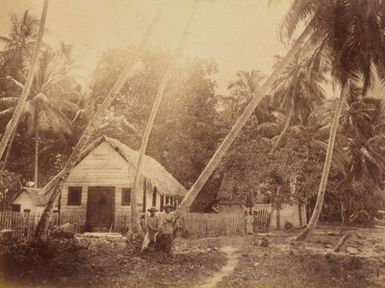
(278, 218)
(300, 213)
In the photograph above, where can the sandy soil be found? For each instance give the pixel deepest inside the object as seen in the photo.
(235, 262)
(287, 263)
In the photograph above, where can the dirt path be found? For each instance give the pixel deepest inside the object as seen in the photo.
(232, 260)
(287, 264)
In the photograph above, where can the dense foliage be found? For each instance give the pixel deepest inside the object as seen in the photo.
(10, 184)
(193, 119)
(184, 135)
(55, 97)
(185, 131)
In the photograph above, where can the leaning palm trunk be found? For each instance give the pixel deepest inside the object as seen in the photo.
(135, 227)
(94, 122)
(236, 129)
(27, 87)
(325, 173)
(36, 176)
(278, 142)
(10, 143)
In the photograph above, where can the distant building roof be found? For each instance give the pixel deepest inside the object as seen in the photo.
(152, 170)
(37, 198)
(227, 190)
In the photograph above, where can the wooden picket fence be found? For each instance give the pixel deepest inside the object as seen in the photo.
(195, 225)
(22, 224)
(261, 221)
(199, 225)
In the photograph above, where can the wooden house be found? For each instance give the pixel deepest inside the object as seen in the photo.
(99, 186)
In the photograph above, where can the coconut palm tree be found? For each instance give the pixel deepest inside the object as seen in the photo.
(245, 87)
(50, 103)
(362, 117)
(349, 32)
(12, 125)
(367, 159)
(301, 43)
(364, 127)
(358, 155)
(297, 91)
(154, 111)
(17, 46)
(351, 36)
(19, 43)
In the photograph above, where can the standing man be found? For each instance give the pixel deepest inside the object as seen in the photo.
(167, 221)
(153, 224)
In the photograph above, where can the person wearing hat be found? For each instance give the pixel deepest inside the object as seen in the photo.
(152, 226)
(166, 230)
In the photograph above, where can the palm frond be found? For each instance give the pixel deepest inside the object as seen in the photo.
(5, 39)
(7, 113)
(59, 122)
(9, 101)
(373, 160)
(67, 106)
(339, 160)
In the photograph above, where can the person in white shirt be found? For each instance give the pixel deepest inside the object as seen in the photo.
(166, 231)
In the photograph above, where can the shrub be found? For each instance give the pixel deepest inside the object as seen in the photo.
(36, 260)
(63, 232)
(134, 243)
(365, 200)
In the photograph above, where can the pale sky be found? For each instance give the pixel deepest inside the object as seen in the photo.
(238, 34)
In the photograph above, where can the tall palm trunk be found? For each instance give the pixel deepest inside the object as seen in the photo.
(278, 142)
(36, 176)
(328, 161)
(342, 213)
(10, 143)
(236, 129)
(135, 227)
(27, 87)
(94, 122)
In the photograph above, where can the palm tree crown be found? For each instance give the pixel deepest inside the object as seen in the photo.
(350, 34)
(18, 45)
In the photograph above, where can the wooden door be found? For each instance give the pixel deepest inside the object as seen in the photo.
(100, 208)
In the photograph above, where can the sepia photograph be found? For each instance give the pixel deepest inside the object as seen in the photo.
(192, 143)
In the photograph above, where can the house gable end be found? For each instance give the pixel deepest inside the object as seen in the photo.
(22, 198)
(102, 166)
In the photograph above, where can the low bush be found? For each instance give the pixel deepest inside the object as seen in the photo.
(36, 260)
(134, 243)
(62, 232)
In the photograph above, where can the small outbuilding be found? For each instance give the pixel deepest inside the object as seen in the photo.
(233, 198)
(99, 187)
(29, 200)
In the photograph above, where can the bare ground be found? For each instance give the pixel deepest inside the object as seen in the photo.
(234, 262)
(287, 263)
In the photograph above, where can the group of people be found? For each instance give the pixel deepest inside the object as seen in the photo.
(159, 230)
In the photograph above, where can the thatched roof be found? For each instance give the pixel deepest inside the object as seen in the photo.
(151, 170)
(227, 189)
